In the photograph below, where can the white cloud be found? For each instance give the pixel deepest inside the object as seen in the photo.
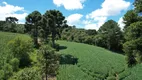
(108, 8)
(70, 4)
(91, 26)
(10, 10)
(74, 19)
(95, 23)
(121, 24)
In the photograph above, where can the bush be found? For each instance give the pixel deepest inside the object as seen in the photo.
(15, 64)
(20, 50)
(1, 74)
(7, 69)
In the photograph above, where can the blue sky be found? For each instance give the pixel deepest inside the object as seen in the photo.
(88, 14)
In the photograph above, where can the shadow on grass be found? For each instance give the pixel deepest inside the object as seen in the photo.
(62, 47)
(68, 59)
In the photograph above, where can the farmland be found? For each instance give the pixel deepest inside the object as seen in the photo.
(95, 63)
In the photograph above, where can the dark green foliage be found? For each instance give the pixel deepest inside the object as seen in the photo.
(32, 25)
(130, 17)
(91, 32)
(138, 5)
(11, 27)
(133, 34)
(10, 24)
(129, 48)
(2, 23)
(134, 31)
(78, 35)
(57, 47)
(7, 26)
(44, 30)
(132, 47)
(55, 21)
(100, 40)
(110, 35)
(11, 19)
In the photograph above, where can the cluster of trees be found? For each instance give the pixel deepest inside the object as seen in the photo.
(46, 26)
(11, 25)
(108, 36)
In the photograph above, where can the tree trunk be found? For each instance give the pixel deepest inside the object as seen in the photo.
(53, 40)
(46, 72)
(46, 67)
(36, 37)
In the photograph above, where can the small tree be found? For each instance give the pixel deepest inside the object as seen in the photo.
(49, 61)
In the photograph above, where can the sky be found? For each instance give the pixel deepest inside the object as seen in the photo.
(87, 14)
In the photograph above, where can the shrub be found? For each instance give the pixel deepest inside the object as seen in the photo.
(20, 50)
(15, 64)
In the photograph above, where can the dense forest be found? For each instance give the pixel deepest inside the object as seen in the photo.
(37, 57)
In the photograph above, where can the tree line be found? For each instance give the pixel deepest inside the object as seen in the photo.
(108, 36)
(11, 25)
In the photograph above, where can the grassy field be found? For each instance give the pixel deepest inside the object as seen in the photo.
(95, 63)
